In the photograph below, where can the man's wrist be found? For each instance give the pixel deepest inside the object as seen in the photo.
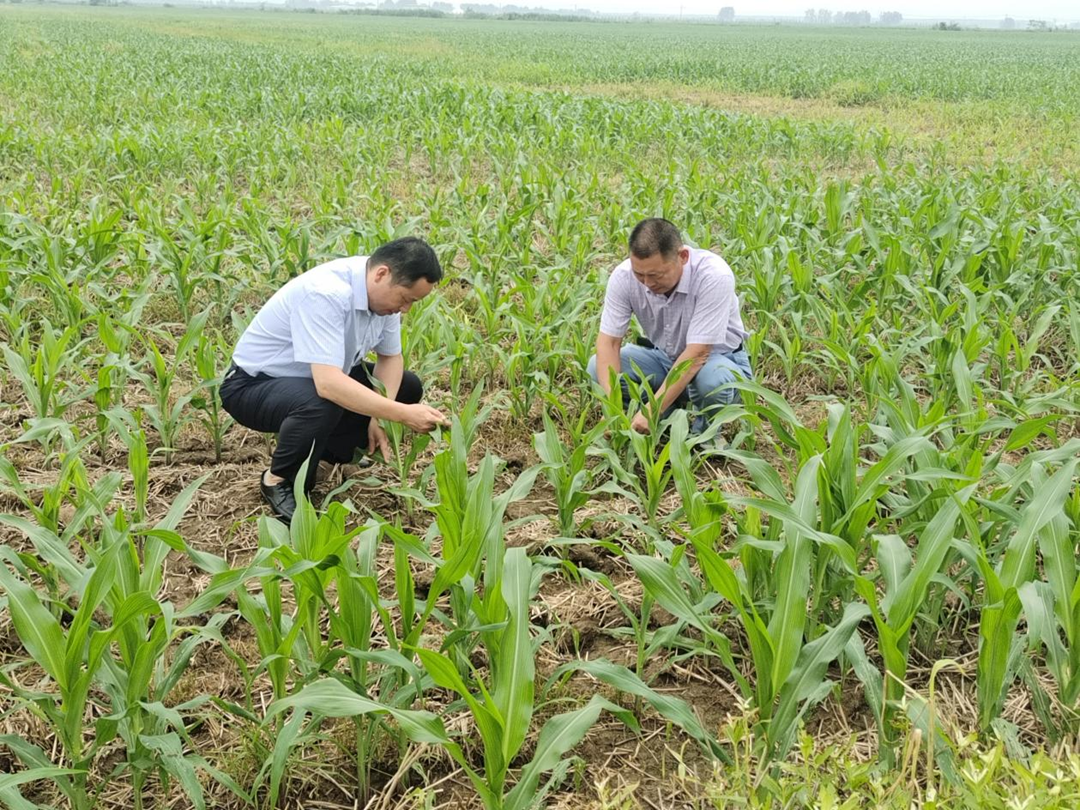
(397, 411)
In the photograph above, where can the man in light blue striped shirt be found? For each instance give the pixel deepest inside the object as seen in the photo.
(299, 369)
(684, 301)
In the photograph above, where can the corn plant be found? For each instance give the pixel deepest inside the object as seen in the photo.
(191, 260)
(291, 640)
(502, 710)
(906, 584)
(115, 606)
(207, 401)
(469, 519)
(641, 471)
(166, 413)
(39, 365)
(70, 481)
(1041, 524)
(301, 645)
(788, 666)
(565, 468)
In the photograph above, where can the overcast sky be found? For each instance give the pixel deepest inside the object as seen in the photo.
(1061, 10)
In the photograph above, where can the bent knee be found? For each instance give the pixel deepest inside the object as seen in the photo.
(411, 390)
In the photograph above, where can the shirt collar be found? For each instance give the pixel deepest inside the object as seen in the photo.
(684, 280)
(359, 283)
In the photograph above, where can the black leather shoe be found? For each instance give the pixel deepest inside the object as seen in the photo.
(280, 498)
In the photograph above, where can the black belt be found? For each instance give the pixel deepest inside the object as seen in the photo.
(648, 344)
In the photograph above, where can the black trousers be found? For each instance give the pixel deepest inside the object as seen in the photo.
(306, 423)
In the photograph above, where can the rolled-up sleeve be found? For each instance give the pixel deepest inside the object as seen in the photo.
(712, 310)
(615, 318)
(390, 341)
(317, 323)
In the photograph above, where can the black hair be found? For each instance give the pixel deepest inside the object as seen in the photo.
(409, 259)
(652, 236)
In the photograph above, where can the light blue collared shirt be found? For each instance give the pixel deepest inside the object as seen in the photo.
(320, 317)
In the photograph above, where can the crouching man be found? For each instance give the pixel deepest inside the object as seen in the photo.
(685, 303)
(299, 369)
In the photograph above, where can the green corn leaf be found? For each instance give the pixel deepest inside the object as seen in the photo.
(661, 582)
(672, 709)
(171, 756)
(792, 581)
(559, 734)
(997, 634)
(515, 673)
(934, 544)
(37, 628)
(331, 698)
(51, 549)
(1046, 502)
(804, 685)
(12, 780)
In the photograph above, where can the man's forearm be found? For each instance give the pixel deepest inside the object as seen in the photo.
(341, 389)
(607, 359)
(671, 390)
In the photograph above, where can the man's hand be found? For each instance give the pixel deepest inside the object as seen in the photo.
(640, 422)
(423, 418)
(377, 440)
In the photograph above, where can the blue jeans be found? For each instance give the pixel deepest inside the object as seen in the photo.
(702, 392)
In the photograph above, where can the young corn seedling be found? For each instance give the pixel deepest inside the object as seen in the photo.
(566, 470)
(906, 588)
(469, 418)
(39, 365)
(166, 413)
(1040, 525)
(406, 449)
(192, 260)
(524, 366)
(300, 648)
(74, 646)
(70, 486)
(70, 663)
(305, 555)
(789, 667)
(502, 709)
(1051, 610)
(469, 519)
(206, 400)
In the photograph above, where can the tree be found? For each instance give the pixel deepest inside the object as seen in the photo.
(1038, 25)
(891, 18)
(824, 16)
(810, 17)
(1008, 24)
(727, 14)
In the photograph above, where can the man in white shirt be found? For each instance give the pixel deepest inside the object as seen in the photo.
(684, 300)
(299, 368)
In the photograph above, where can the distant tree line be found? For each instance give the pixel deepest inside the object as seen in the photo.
(823, 16)
(513, 12)
(389, 5)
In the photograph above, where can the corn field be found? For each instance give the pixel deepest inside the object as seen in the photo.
(877, 543)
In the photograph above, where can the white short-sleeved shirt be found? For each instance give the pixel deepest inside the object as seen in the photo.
(703, 307)
(321, 317)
